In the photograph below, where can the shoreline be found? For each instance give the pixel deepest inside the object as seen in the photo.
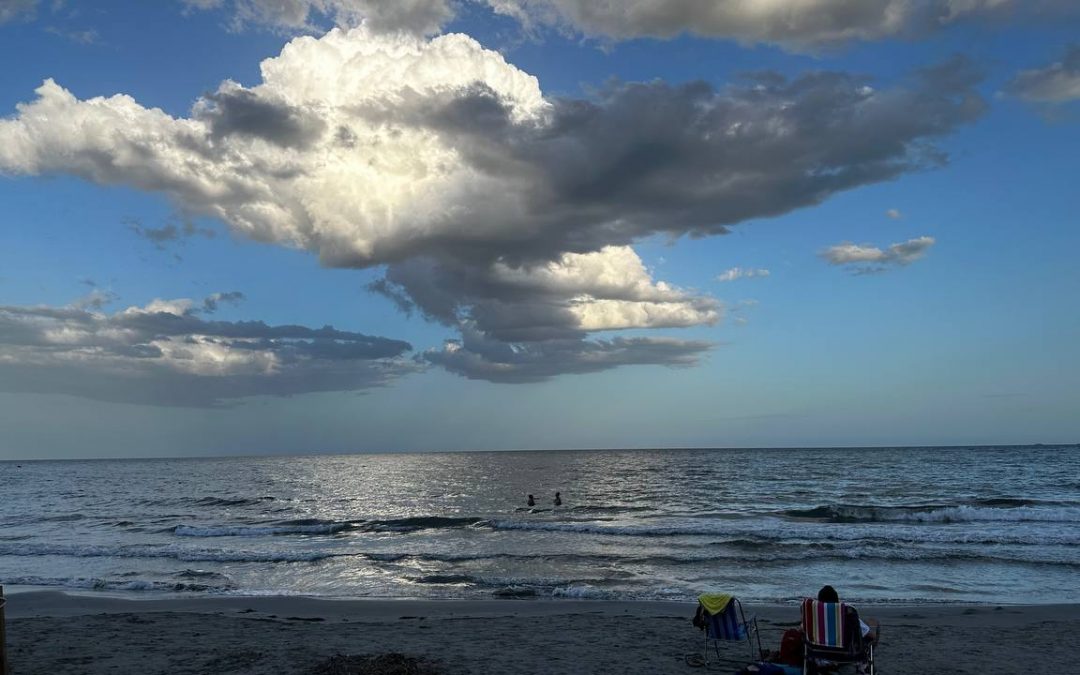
(58, 632)
(36, 601)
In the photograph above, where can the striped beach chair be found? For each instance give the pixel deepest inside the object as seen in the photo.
(725, 622)
(831, 632)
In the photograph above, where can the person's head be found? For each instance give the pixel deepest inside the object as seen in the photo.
(556, 494)
(828, 594)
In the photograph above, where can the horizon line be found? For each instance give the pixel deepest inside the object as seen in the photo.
(965, 446)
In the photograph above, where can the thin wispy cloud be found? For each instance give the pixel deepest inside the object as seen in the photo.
(171, 233)
(741, 273)
(869, 259)
(86, 36)
(96, 299)
(418, 16)
(739, 309)
(1058, 82)
(894, 214)
(10, 10)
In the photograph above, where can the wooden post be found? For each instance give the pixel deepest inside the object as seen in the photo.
(3, 637)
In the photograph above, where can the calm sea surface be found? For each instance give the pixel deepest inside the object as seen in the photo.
(938, 524)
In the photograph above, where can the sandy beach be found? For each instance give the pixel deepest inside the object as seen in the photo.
(54, 632)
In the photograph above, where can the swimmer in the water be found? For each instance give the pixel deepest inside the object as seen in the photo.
(532, 502)
(558, 499)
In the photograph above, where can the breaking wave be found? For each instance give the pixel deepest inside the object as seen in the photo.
(991, 510)
(316, 526)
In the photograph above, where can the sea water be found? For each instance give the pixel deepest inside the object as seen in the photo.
(984, 525)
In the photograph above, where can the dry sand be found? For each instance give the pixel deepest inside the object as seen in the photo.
(52, 632)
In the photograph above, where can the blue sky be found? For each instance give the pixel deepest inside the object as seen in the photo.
(565, 232)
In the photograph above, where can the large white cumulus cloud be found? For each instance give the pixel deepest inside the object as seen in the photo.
(497, 210)
(294, 160)
(372, 149)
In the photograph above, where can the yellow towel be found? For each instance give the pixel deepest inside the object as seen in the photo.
(714, 603)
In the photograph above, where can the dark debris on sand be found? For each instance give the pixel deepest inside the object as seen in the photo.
(381, 664)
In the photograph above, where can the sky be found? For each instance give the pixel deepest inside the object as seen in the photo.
(295, 226)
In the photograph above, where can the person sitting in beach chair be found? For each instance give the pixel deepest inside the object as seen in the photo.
(722, 619)
(834, 634)
(870, 632)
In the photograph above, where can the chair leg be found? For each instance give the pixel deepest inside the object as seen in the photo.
(760, 654)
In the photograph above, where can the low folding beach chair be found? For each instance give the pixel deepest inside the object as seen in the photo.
(725, 622)
(831, 632)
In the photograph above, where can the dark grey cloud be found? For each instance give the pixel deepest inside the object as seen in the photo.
(608, 290)
(233, 110)
(479, 358)
(644, 158)
(1057, 82)
(211, 302)
(795, 25)
(165, 354)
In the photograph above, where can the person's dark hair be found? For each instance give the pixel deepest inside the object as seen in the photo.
(828, 594)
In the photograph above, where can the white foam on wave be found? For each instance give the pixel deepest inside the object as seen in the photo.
(907, 528)
(597, 528)
(969, 514)
(938, 515)
(582, 592)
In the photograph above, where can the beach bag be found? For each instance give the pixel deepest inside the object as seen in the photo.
(701, 618)
(791, 647)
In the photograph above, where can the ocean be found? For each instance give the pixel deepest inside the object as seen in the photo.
(981, 525)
